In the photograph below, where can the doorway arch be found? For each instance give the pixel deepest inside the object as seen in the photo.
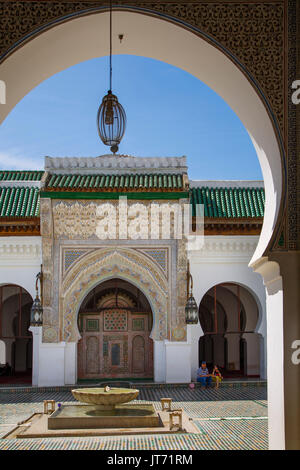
(115, 321)
(229, 316)
(16, 339)
(82, 37)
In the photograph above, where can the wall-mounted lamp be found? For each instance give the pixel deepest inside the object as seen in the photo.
(191, 308)
(36, 313)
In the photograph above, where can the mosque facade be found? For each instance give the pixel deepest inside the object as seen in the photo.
(118, 240)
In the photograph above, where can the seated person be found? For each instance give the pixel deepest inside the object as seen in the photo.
(216, 375)
(203, 375)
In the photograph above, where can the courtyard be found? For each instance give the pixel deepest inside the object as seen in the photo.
(234, 417)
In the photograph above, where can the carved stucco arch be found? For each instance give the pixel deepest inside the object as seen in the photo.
(106, 263)
(80, 38)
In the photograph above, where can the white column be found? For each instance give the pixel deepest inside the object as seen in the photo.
(70, 363)
(194, 332)
(36, 342)
(159, 359)
(275, 372)
(178, 362)
(52, 364)
(275, 351)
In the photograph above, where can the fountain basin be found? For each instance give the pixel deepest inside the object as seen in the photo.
(105, 400)
(93, 417)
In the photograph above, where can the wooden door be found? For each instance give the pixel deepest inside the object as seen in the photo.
(115, 343)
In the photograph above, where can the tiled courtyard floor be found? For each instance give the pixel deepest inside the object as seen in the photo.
(244, 428)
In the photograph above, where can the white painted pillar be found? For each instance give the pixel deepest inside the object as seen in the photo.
(159, 359)
(70, 363)
(193, 334)
(36, 342)
(178, 362)
(263, 356)
(275, 372)
(275, 351)
(52, 364)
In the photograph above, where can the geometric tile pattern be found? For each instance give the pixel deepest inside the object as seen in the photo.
(245, 428)
(71, 256)
(115, 320)
(92, 324)
(160, 256)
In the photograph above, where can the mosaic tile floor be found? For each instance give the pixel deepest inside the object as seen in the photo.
(228, 419)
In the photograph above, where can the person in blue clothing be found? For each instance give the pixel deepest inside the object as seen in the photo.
(203, 375)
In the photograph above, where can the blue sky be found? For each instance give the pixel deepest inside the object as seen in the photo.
(169, 113)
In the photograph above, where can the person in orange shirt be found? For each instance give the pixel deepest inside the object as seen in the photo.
(216, 375)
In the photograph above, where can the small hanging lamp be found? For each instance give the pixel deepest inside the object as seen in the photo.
(36, 313)
(191, 308)
(111, 117)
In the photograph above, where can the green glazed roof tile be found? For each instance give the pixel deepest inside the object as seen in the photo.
(19, 202)
(145, 182)
(228, 202)
(22, 201)
(21, 175)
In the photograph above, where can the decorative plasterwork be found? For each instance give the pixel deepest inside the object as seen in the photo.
(252, 31)
(226, 249)
(259, 35)
(178, 323)
(81, 220)
(104, 264)
(115, 164)
(226, 184)
(20, 251)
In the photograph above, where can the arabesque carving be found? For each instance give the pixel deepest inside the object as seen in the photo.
(103, 264)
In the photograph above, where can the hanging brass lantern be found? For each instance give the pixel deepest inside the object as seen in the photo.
(111, 117)
(191, 308)
(191, 311)
(111, 121)
(36, 312)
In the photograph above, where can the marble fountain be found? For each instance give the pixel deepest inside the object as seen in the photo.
(103, 411)
(104, 408)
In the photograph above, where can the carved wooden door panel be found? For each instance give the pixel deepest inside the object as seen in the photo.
(141, 346)
(138, 355)
(115, 343)
(92, 355)
(89, 356)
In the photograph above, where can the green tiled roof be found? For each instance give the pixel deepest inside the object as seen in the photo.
(19, 202)
(229, 202)
(127, 182)
(22, 201)
(21, 175)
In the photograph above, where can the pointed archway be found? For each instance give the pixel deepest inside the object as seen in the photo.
(115, 322)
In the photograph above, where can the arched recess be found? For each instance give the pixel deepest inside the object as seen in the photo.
(15, 307)
(83, 36)
(233, 343)
(105, 264)
(115, 321)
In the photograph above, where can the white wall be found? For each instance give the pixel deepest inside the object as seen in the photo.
(226, 259)
(20, 261)
(222, 259)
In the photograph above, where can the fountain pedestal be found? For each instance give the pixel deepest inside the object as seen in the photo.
(104, 409)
